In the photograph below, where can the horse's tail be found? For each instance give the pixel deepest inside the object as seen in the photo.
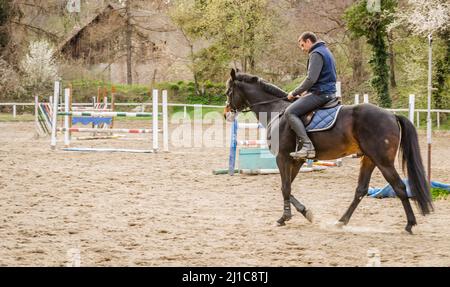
(418, 184)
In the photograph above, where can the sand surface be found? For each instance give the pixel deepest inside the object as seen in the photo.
(167, 209)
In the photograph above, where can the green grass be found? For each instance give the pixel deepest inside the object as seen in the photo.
(19, 118)
(439, 193)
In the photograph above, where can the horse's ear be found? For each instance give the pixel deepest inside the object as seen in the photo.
(233, 74)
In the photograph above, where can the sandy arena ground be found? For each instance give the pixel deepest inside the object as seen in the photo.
(167, 209)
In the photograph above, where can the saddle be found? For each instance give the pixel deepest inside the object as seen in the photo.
(306, 119)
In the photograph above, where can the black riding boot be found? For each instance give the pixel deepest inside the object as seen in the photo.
(307, 148)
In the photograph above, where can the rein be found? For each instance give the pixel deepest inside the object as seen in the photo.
(250, 106)
(249, 109)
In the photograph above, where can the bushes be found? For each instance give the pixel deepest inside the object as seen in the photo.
(178, 92)
(84, 90)
(184, 92)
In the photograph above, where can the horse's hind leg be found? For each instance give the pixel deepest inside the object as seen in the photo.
(297, 204)
(365, 172)
(391, 175)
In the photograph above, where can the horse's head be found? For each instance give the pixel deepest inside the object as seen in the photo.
(236, 96)
(246, 91)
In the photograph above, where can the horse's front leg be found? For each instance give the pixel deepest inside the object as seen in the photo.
(285, 165)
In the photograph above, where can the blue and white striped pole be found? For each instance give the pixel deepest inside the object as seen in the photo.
(233, 145)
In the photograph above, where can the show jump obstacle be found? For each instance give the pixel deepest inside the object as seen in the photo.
(254, 155)
(43, 116)
(67, 129)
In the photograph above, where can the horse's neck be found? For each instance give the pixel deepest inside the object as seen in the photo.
(266, 112)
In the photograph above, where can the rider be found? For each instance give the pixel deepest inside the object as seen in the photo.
(317, 89)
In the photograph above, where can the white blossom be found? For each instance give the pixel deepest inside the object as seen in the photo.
(425, 16)
(39, 65)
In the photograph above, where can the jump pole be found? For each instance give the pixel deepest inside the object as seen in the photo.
(67, 117)
(155, 119)
(54, 115)
(36, 116)
(106, 114)
(78, 149)
(91, 130)
(113, 102)
(339, 96)
(233, 145)
(430, 87)
(165, 122)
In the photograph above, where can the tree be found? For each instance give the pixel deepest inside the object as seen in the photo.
(240, 30)
(441, 95)
(136, 15)
(423, 17)
(128, 36)
(39, 67)
(371, 23)
(4, 16)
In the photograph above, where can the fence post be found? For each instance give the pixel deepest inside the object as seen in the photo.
(418, 119)
(438, 121)
(198, 125)
(184, 112)
(356, 99)
(366, 98)
(14, 111)
(338, 90)
(411, 107)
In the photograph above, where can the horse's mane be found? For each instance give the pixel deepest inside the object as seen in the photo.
(266, 86)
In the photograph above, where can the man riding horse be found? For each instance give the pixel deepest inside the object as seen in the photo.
(374, 133)
(317, 89)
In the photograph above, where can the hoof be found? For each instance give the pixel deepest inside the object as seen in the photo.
(408, 230)
(309, 216)
(280, 223)
(339, 224)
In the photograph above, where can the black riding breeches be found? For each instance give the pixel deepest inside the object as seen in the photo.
(308, 103)
(301, 107)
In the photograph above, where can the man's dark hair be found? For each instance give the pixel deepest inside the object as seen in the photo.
(308, 35)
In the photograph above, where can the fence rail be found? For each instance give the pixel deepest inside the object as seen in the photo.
(185, 106)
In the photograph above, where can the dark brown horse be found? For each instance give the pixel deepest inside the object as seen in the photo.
(364, 129)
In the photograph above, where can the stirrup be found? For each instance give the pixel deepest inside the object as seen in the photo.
(304, 152)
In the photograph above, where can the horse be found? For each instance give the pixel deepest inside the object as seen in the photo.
(365, 129)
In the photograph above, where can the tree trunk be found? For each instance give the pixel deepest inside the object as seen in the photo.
(128, 36)
(391, 62)
(357, 62)
(194, 71)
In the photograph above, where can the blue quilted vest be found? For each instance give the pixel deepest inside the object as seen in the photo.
(326, 84)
